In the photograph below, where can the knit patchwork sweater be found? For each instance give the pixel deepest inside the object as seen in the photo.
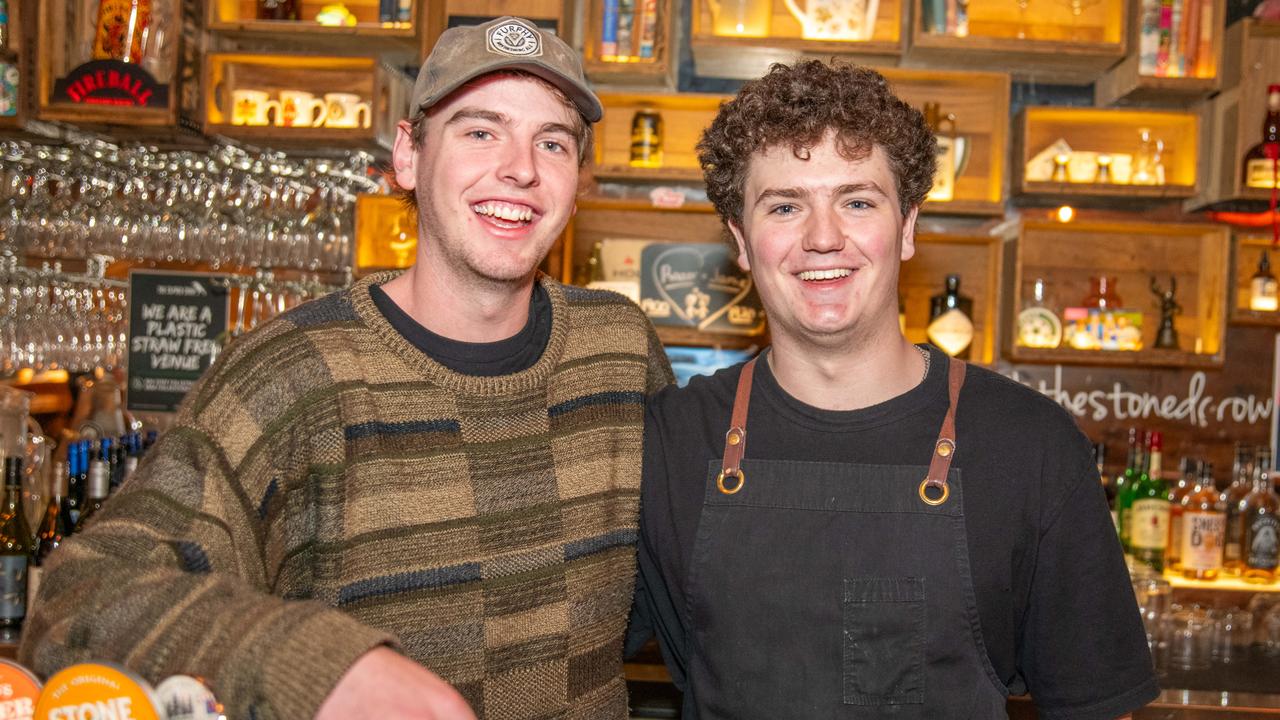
(328, 488)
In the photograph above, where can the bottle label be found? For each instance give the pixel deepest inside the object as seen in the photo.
(1264, 543)
(1260, 173)
(1150, 524)
(952, 331)
(13, 587)
(1202, 535)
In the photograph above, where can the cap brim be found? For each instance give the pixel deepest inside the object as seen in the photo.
(586, 102)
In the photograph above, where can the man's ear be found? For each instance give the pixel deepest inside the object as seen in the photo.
(404, 158)
(909, 233)
(744, 261)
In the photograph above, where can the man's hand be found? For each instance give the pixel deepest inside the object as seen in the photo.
(384, 683)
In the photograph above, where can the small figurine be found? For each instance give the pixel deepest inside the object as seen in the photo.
(1166, 336)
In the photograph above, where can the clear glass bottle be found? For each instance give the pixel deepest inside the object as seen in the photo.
(1258, 515)
(1038, 326)
(951, 319)
(1203, 530)
(1233, 502)
(1188, 479)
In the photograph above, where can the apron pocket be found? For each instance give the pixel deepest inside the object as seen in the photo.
(883, 644)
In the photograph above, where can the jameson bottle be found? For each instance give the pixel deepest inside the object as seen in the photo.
(951, 319)
(1261, 547)
(1203, 530)
(1125, 483)
(99, 488)
(1233, 502)
(1150, 533)
(1260, 169)
(15, 549)
(1188, 480)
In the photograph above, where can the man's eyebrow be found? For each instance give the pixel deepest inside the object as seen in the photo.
(468, 113)
(555, 127)
(791, 193)
(858, 187)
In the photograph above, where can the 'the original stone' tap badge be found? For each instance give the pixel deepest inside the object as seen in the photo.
(698, 285)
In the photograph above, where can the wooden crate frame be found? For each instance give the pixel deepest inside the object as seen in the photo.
(1126, 85)
(684, 117)
(1106, 130)
(924, 275)
(1066, 254)
(1052, 60)
(1247, 249)
(748, 58)
(385, 89)
(657, 71)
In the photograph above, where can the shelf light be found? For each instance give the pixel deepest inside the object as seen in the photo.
(1065, 214)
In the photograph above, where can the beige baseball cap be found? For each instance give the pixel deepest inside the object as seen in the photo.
(465, 53)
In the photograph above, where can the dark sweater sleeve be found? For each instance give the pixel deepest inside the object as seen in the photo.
(171, 575)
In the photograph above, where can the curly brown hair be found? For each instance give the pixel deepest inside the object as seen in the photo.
(797, 105)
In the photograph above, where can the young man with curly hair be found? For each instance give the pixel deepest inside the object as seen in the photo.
(850, 525)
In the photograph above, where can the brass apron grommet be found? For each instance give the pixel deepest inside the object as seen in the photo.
(946, 493)
(729, 491)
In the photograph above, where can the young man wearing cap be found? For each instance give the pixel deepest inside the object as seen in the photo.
(415, 495)
(852, 526)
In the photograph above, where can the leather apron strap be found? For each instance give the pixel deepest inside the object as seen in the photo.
(735, 440)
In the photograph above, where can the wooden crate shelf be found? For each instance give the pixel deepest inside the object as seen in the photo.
(684, 117)
(719, 50)
(1248, 249)
(632, 66)
(385, 90)
(242, 15)
(978, 260)
(1056, 46)
(552, 15)
(1065, 255)
(1112, 132)
(1128, 84)
(1231, 122)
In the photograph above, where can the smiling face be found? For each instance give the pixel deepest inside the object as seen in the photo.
(823, 237)
(495, 178)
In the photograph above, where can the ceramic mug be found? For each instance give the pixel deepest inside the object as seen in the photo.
(300, 109)
(836, 19)
(345, 110)
(252, 107)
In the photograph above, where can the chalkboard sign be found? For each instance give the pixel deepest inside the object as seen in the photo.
(175, 319)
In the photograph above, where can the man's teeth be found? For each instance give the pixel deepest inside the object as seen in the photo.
(504, 212)
(825, 274)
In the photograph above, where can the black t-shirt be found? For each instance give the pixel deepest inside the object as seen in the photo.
(1057, 610)
(516, 353)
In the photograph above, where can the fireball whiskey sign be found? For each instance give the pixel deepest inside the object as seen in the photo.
(111, 82)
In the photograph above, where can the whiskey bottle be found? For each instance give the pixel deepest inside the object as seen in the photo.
(99, 488)
(1233, 501)
(1203, 527)
(122, 30)
(1260, 169)
(1264, 291)
(15, 549)
(951, 320)
(1150, 533)
(1188, 479)
(54, 528)
(1125, 483)
(1258, 515)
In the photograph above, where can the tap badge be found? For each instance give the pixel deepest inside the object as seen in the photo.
(514, 38)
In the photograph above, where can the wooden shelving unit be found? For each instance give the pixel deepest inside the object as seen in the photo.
(1047, 43)
(684, 117)
(1231, 122)
(384, 90)
(1127, 84)
(1067, 254)
(979, 262)
(241, 16)
(1112, 132)
(721, 49)
(631, 66)
(1248, 249)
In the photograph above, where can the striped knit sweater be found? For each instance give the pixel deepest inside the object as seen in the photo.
(328, 488)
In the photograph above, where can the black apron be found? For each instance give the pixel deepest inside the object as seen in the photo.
(833, 590)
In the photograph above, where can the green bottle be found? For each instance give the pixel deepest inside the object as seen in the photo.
(1149, 533)
(1124, 488)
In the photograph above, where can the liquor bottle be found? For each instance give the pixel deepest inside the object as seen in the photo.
(1150, 532)
(54, 528)
(1188, 479)
(150, 440)
(1264, 291)
(1258, 515)
(951, 320)
(1260, 161)
(1038, 326)
(15, 549)
(1233, 501)
(71, 502)
(1203, 530)
(278, 10)
(99, 488)
(1125, 483)
(386, 11)
(115, 464)
(122, 30)
(646, 139)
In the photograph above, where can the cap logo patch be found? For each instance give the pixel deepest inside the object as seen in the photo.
(514, 39)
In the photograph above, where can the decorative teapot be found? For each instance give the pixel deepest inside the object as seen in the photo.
(836, 19)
